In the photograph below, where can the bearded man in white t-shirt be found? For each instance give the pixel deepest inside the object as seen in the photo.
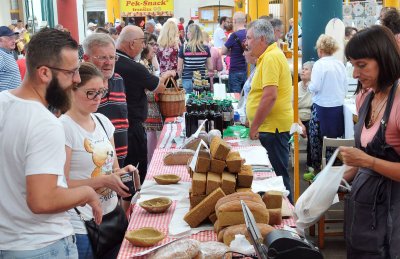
(219, 36)
(33, 190)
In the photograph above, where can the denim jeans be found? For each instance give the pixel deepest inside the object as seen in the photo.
(187, 85)
(277, 146)
(84, 246)
(236, 81)
(63, 248)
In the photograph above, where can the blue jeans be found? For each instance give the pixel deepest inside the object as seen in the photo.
(236, 81)
(187, 85)
(277, 146)
(63, 248)
(84, 246)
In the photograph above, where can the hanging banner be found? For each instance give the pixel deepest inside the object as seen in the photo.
(139, 8)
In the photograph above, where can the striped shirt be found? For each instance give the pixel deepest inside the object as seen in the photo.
(10, 77)
(114, 107)
(196, 61)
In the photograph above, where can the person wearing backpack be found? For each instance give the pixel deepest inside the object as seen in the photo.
(234, 47)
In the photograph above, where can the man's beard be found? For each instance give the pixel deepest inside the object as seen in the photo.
(57, 97)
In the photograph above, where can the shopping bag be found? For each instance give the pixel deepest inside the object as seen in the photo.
(319, 196)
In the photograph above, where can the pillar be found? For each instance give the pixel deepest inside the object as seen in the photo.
(113, 10)
(5, 16)
(391, 3)
(68, 17)
(316, 14)
(258, 8)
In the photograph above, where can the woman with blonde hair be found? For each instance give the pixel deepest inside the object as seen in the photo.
(168, 46)
(193, 56)
(329, 87)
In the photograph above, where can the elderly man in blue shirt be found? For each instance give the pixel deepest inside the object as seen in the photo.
(10, 77)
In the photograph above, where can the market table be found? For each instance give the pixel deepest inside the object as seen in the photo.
(140, 218)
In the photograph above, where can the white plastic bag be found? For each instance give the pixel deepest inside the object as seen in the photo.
(318, 197)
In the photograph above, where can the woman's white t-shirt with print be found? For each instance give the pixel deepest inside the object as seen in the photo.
(92, 155)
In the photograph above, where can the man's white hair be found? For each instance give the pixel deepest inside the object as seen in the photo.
(262, 28)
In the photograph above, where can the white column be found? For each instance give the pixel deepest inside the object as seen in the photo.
(5, 16)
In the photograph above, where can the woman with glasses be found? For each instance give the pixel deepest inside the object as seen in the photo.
(151, 40)
(168, 48)
(153, 123)
(91, 159)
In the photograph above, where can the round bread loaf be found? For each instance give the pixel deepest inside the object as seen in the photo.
(230, 232)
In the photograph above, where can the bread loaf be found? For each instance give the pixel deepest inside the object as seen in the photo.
(230, 232)
(196, 199)
(219, 149)
(275, 216)
(242, 189)
(234, 162)
(199, 183)
(213, 182)
(213, 218)
(203, 162)
(217, 166)
(220, 234)
(185, 248)
(231, 213)
(245, 177)
(204, 209)
(228, 182)
(191, 143)
(250, 196)
(273, 199)
(178, 157)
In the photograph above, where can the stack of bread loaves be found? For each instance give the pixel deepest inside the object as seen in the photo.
(223, 168)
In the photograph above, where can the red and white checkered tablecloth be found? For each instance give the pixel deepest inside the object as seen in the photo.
(140, 218)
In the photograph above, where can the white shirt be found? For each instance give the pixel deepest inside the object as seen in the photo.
(92, 155)
(305, 103)
(32, 142)
(328, 82)
(218, 37)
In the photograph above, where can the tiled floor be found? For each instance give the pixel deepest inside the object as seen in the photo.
(334, 246)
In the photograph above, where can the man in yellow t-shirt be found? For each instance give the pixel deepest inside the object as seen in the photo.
(269, 104)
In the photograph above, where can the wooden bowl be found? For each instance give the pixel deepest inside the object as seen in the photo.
(144, 237)
(164, 179)
(156, 205)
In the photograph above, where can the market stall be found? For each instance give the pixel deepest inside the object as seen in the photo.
(168, 222)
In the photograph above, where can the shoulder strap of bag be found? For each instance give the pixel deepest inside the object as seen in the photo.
(101, 123)
(236, 38)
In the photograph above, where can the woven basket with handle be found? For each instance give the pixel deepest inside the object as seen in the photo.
(172, 100)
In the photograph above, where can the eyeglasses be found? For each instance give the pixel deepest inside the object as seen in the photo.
(140, 39)
(105, 58)
(92, 94)
(71, 72)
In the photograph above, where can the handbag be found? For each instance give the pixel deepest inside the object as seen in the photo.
(109, 233)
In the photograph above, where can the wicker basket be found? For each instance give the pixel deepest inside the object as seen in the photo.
(172, 101)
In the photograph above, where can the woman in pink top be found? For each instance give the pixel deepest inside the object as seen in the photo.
(372, 209)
